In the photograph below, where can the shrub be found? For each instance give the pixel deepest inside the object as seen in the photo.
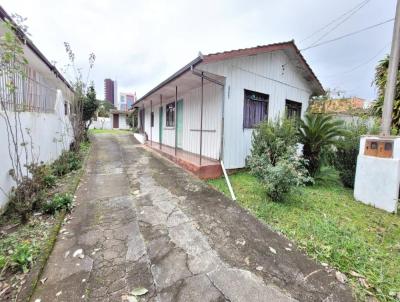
(67, 162)
(22, 256)
(316, 132)
(58, 203)
(29, 192)
(345, 159)
(279, 179)
(273, 139)
(273, 158)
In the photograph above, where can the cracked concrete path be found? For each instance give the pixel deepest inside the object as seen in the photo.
(141, 221)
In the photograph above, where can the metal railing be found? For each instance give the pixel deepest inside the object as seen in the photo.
(24, 93)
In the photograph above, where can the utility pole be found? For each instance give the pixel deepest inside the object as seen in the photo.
(390, 89)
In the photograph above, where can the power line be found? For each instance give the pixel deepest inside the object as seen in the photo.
(361, 64)
(334, 20)
(348, 35)
(341, 22)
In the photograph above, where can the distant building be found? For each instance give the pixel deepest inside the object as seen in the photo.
(334, 106)
(126, 100)
(110, 91)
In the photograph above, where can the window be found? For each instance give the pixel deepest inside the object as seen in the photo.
(152, 119)
(255, 108)
(65, 108)
(293, 109)
(170, 114)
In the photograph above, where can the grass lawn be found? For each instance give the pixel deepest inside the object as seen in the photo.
(332, 227)
(109, 131)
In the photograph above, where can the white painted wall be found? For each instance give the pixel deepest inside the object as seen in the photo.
(377, 179)
(51, 134)
(191, 121)
(262, 73)
(101, 123)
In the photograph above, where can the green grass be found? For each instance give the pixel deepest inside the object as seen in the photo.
(331, 227)
(109, 131)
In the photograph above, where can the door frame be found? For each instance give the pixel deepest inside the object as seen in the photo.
(160, 124)
(115, 120)
(179, 117)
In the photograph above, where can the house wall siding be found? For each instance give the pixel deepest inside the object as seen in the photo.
(269, 73)
(212, 121)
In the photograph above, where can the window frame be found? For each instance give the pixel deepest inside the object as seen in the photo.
(293, 106)
(170, 114)
(256, 97)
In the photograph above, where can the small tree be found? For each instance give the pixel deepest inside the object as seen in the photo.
(380, 82)
(90, 106)
(80, 91)
(316, 132)
(104, 108)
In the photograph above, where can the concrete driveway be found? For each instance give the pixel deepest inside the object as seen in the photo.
(141, 221)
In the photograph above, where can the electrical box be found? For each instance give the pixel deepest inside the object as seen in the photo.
(379, 148)
(377, 180)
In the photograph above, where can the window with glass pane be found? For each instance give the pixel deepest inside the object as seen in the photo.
(255, 108)
(152, 119)
(293, 109)
(170, 114)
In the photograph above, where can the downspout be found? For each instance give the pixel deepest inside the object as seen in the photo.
(160, 122)
(201, 116)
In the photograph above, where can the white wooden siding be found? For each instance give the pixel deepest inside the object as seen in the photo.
(269, 73)
(212, 121)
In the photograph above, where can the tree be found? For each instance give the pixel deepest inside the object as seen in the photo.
(317, 131)
(90, 106)
(380, 81)
(80, 91)
(104, 108)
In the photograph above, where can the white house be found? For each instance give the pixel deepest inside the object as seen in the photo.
(42, 100)
(206, 111)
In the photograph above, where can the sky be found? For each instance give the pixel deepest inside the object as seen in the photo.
(140, 43)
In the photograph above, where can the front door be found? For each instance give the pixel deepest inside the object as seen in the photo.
(160, 124)
(115, 121)
(179, 123)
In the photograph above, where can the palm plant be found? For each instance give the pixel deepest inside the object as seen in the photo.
(317, 131)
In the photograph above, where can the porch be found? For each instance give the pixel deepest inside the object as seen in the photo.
(203, 167)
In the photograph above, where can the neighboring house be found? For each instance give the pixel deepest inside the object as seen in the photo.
(119, 119)
(349, 110)
(206, 111)
(126, 100)
(343, 105)
(43, 99)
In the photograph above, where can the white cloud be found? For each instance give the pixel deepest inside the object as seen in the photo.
(140, 43)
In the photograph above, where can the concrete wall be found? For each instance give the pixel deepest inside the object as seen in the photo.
(101, 123)
(262, 73)
(51, 134)
(377, 179)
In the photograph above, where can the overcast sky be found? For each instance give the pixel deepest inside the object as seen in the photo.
(140, 43)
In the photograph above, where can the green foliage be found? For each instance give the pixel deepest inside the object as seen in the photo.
(90, 105)
(104, 108)
(29, 193)
(67, 162)
(58, 203)
(317, 132)
(333, 228)
(380, 82)
(274, 139)
(22, 256)
(273, 158)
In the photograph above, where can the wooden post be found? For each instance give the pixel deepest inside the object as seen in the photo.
(175, 116)
(159, 121)
(201, 116)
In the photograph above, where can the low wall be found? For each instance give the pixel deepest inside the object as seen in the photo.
(50, 134)
(101, 123)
